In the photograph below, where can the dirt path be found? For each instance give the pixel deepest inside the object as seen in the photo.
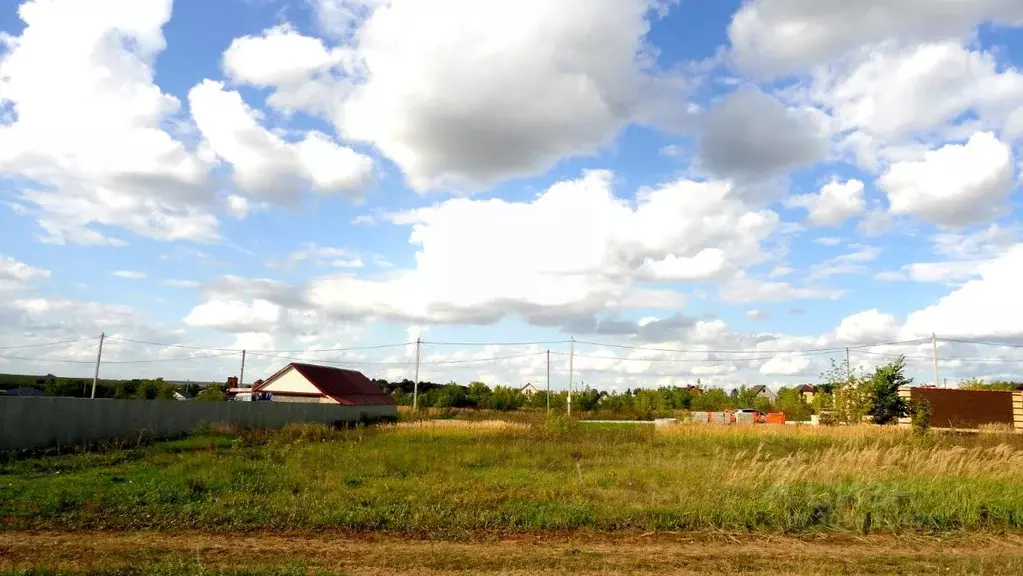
(550, 554)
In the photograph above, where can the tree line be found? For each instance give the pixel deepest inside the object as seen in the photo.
(844, 394)
(134, 389)
(638, 403)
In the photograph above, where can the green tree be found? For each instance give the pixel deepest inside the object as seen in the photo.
(450, 396)
(154, 390)
(979, 384)
(211, 394)
(844, 392)
(504, 398)
(712, 400)
(920, 417)
(126, 389)
(478, 393)
(792, 403)
(882, 391)
(744, 397)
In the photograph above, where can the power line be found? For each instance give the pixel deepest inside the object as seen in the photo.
(981, 343)
(42, 344)
(324, 360)
(147, 361)
(302, 351)
(768, 356)
(395, 363)
(792, 351)
(494, 359)
(531, 343)
(165, 345)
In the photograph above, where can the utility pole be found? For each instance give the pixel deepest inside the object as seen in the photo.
(548, 382)
(934, 346)
(848, 366)
(415, 389)
(571, 359)
(241, 377)
(99, 358)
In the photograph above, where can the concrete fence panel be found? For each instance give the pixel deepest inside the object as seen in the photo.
(39, 422)
(745, 418)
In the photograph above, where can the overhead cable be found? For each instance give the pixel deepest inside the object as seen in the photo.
(43, 344)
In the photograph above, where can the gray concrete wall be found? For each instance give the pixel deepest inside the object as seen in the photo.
(27, 423)
(744, 418)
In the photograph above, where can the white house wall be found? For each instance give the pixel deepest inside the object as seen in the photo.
(304, 399)
(291, 381)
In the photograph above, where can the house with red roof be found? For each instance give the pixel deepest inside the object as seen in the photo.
(299, 382)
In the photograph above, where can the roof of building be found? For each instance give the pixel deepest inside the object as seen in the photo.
(348, 387)
(804, 388)
(25, 391)
(759, 388)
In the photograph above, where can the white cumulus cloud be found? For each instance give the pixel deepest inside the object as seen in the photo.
(955, 185)
(266, 164)
(834, 204)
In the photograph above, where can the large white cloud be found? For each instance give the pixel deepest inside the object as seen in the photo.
(870, 327)
(886, 99)
(682, 230)
(298, 68)
(984, 308)
(779, 36)
(565, 272)
(263, 162)
(87, 125)
(955, 185)
(464, 93)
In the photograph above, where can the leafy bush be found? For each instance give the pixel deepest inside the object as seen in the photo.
(882, 391)
(920, 417)
(557, 424)
(211, 394)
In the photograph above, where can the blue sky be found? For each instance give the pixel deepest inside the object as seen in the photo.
(761, 178)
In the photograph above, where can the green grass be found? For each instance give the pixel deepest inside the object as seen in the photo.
(462, 479)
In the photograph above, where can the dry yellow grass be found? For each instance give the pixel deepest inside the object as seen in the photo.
(877, 463)
(855, 432)
(265, 554)
(462, 425)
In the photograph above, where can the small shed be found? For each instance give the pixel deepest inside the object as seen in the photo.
(298, 382)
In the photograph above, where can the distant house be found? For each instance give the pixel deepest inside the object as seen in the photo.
(299, 382)
(24, 391)
(528, 390)
(808, 392)
(181, 395)
(764, 392)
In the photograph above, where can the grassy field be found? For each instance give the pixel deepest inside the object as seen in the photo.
(461, 485)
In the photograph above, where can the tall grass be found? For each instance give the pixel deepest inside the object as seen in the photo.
(453, 478)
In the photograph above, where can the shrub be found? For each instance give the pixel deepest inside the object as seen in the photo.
(557, 424)
(211, 394)
(920, 417)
